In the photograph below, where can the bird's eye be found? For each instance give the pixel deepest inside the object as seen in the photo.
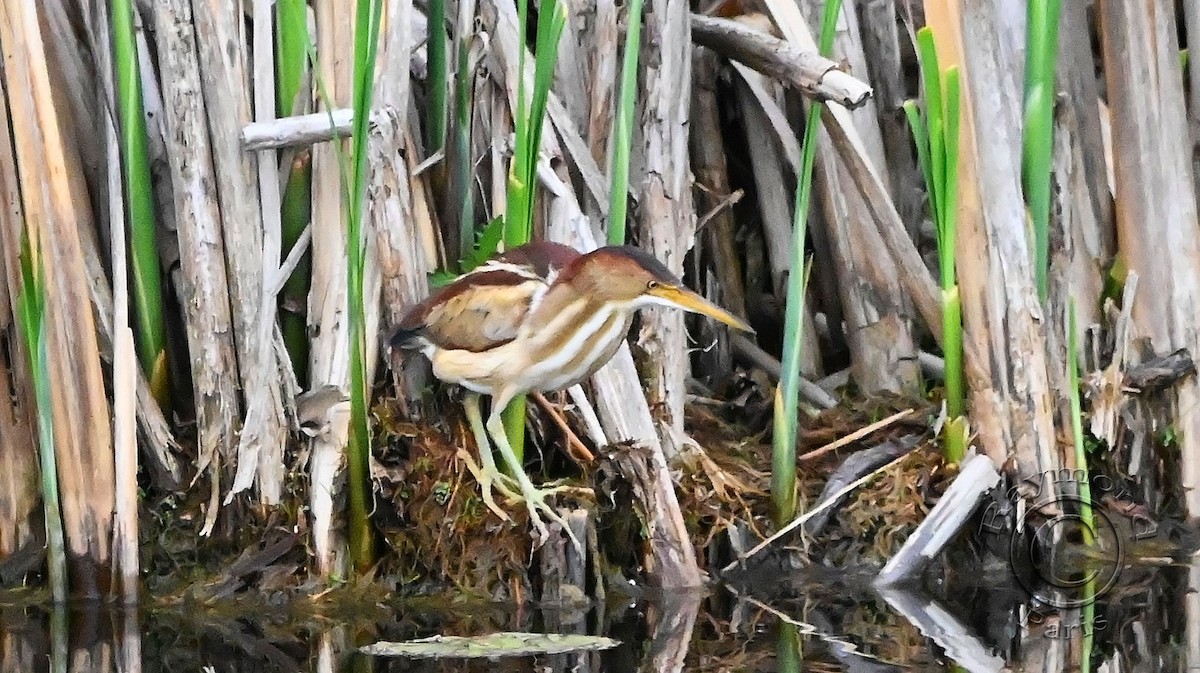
(651, 285)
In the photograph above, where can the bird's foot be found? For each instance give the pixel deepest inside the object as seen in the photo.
(489, 477)
(535, 500)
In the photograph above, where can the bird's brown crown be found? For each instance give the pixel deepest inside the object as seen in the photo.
(620, 272)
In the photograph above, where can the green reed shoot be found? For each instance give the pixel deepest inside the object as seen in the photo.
(1085, 487)
(789, 655)
(522, 175)
(366, 49)
(529, 117)
(31, 304)
(1041, 54)
(787, 395)
(623, 126)
(291, 38)
(147, 281)
(936, 135)
(296, 212)
(1088, 619)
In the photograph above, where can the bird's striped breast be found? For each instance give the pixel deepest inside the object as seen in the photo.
(575, 343)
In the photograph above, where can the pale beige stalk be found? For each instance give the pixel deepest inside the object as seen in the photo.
(329, 356)
(666, 218)
(1010, 398)
(224, 70)
(1156, 204)
(124, 357)
(18, 453)
(203, 286)
(55, 206)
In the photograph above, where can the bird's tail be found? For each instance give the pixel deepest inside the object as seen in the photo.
(407, 339)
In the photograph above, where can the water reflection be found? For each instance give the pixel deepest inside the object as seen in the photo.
(1148, 622)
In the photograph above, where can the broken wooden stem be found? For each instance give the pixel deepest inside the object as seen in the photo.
(807, 71)
(809, 391)
(1159, 373)
(300, 130)
(957, 504)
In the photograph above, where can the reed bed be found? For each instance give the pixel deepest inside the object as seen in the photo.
(214, 214)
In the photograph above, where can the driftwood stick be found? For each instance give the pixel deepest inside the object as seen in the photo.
(809, 391)
(807, 71)
(307, 129)
(956, 505)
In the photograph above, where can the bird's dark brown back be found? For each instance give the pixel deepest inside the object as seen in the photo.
(477, 312)
(483, 309)
(541, 256)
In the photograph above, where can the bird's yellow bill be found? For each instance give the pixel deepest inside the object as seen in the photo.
(690, 301)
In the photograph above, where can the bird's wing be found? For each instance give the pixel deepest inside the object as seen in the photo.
(477, 312)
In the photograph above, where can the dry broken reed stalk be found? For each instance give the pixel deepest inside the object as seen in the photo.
(125, 448)
(53, 206)
(225, 79)
(329, 354)
(204, 284)
(18, 462)
(1010, 404)
(1156, 210)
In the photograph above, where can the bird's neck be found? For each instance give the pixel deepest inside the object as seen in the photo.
(570, 343)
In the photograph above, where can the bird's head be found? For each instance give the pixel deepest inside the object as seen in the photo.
(630, 276)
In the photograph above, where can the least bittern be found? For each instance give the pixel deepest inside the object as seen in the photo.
(539, 318)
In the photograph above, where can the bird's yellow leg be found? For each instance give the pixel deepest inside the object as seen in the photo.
(487, 476)
(535, 498)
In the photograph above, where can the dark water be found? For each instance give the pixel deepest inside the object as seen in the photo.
(1147, 620)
